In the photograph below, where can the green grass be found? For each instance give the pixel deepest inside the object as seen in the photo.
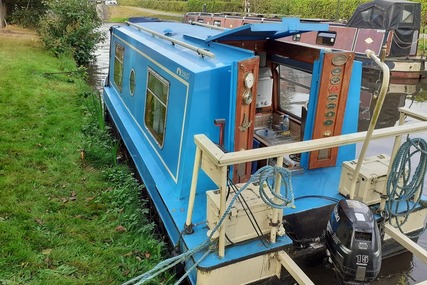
(422, 48)
(63, 220)
(120, 14)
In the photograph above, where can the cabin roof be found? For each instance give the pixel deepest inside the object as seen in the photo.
(202, 38)
(262, 31)
(192, 35)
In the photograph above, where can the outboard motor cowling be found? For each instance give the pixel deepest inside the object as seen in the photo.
(354, 243)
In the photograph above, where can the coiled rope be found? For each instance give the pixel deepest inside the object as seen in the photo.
(403, 184)
(264, 176)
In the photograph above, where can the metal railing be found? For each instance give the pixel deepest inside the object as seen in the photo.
(200, 51)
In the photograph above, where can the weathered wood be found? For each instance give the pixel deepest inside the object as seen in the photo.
(416, 249)
(222, 209)
(211, 169)
(413, 114)
(193, 189)
(295, 51)
(294, 269)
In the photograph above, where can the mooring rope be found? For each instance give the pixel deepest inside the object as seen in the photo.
(403, 185)
(399, 42)
(266, 180)
(265, 176)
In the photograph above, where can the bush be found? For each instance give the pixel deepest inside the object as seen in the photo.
(323, 9)
(71, 26)
(26, 18)
(23, 12)
(187, 6)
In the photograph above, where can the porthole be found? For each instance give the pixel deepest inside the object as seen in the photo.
(132, 82)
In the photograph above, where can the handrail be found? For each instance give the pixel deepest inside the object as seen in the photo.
(217, 156)
(200, 51)
(206, 25)
(375, 116)
(413, 114)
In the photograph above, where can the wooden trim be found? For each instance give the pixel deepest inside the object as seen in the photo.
(297, 52)
(245, 116)
(293, 269)
(254, 45)
(416, 249)
(329, 87)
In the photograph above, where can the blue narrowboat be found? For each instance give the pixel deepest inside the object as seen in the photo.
(247, 147)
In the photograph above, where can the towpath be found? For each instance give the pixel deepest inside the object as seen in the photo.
(104, 11)
(158, 12)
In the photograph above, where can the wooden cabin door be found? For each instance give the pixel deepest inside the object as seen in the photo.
(247, 81)
(331, 102)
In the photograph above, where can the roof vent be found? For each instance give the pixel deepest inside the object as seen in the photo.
(167, 32)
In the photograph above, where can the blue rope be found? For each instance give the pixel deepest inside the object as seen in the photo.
(166, 265)
(403, 183)
(194, 266)
(265, 176)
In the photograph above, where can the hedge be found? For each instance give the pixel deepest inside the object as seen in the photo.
(320, 9)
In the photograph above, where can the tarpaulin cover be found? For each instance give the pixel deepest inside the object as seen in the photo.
(401, 17)
(387, 15)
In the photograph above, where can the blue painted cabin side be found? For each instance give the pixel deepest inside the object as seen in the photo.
(197, 91)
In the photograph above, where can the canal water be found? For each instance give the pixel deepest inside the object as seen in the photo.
(398, 270)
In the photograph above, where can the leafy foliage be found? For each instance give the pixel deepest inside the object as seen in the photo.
(23, 12)
(215, 6)
(71, 27)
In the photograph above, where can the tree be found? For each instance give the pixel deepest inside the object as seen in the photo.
(2, 15)
(71, 26)
(26, 13)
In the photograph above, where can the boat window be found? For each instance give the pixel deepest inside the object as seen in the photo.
(156, 105)
(294, 90)
(217, 23)
(372, 14)
(132, 82)
(118, 66)
(326, 38)
(408, 14)
(366, 15)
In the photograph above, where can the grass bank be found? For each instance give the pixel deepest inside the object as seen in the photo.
(68, 214)
(120, 14)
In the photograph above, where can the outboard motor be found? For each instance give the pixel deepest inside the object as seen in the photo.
(353, 243)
